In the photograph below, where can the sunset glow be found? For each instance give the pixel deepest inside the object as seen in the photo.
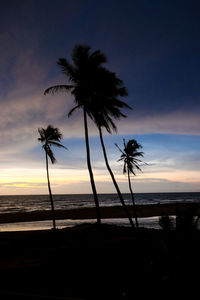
(159, 65)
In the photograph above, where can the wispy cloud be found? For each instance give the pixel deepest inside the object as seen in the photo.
(166, 123)
(20, 184)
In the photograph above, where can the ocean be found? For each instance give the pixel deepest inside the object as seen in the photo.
(29, 203)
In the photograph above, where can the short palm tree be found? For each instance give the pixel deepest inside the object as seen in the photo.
(130, 156)
(50, 136)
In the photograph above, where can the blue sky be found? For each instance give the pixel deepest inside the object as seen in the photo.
(153, 46)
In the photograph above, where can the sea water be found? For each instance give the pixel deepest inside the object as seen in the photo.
(29, 203)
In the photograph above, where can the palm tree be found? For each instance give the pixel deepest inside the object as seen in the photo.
(50, 137)
(106, 107)
(92, 86)
(82, 75)
(130, 156)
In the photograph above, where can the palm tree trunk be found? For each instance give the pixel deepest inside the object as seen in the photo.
(96, 200)
(113, 178)
(133, 199)
(50, 194)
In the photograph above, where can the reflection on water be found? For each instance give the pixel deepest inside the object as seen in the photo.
(43, 225)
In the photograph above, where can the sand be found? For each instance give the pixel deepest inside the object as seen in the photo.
(92, 262)
(106, 212)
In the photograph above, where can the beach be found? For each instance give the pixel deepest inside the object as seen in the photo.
(98, 262)
(86, 262)
(109, 212)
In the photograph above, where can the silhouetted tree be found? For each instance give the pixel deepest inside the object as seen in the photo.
(82, 75)
(50, 137)
(130, 156)
(95, 90)
(104, 108)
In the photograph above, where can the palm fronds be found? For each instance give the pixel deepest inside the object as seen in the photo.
(130, 156)
(58, 88)
(50, 136)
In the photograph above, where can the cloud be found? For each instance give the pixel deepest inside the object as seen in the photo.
(148, 185)
(172, 123)
(156, 184)
(13, 188)
(20, 184)
(26, 72)
(183, 123)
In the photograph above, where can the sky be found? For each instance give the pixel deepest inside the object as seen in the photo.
(152, 45)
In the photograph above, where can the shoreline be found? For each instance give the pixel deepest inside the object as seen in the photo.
(107, 212)
(128, 259)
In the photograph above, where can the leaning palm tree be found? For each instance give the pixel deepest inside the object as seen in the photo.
(50, 137)
(130, 156)
(88, 84)
(106, 107)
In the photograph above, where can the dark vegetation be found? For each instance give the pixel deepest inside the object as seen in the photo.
(184, 221)
(92, 262)
(50, 137)
(131, 161)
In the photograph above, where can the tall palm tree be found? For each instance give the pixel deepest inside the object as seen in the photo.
(50, 136)
(106, 107)
(92, 86)
(130, 156)
(83, 76)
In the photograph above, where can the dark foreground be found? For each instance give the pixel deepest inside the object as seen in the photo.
(88, 262)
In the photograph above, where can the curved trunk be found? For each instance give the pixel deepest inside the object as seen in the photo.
(50, 194)
(133, 200)
(90, 169)
(113, 179)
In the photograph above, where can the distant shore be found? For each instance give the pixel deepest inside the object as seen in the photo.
(107, 212)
